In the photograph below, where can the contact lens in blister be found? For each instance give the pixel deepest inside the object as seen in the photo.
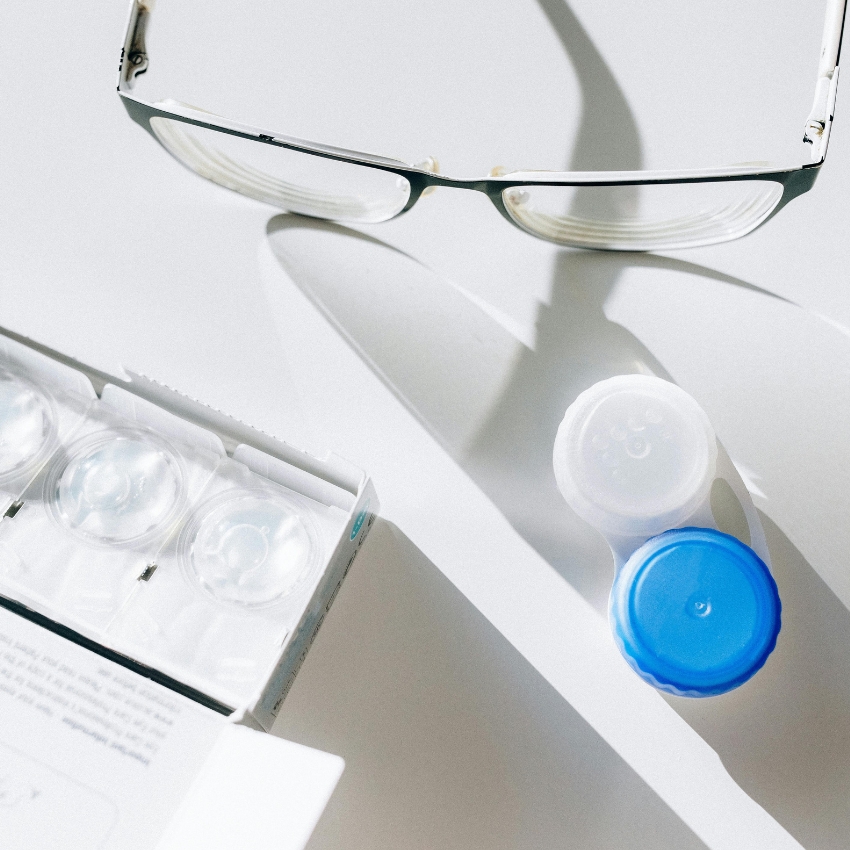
(26, 425)
(118, 487)
(249, 549)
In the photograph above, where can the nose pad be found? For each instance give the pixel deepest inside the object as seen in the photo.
(515, 196)
(432, 166)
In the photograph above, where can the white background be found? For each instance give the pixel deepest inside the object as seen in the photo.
(466, 673)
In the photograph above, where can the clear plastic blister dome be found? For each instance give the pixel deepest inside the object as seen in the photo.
(250, 548)
(117, 487)
(27, 426)
(39, 408)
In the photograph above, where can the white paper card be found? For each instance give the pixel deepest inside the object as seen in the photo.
(96, 757)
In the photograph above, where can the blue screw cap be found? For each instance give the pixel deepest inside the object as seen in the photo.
(695, 612)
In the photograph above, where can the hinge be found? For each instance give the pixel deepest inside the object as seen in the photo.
(134, 57)
(820, 117)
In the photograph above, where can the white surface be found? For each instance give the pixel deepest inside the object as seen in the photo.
(543, 616)
(466, 673)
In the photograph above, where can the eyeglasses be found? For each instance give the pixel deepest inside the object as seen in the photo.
(608, 210)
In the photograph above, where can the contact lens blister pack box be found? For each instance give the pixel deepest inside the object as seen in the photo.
(173, 562)
(135, 527)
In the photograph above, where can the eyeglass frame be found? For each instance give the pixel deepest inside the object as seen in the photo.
(794, 180)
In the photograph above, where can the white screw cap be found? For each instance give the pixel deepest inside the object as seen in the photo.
(635, 455)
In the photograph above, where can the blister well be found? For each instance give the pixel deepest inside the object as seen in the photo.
(42, 403)
(138, 528)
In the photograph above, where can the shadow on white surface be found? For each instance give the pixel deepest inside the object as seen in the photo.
(491, 402)
(608, 137)
(495, 406)
(785, 736)
(451, 738)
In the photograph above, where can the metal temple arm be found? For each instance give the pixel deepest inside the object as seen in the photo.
(134, 54)
(819, 122)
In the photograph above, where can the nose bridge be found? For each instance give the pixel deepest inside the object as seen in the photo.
(486, 186)
(445, 182)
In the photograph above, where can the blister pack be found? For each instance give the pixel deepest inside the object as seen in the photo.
(137, 529)
(97, 514)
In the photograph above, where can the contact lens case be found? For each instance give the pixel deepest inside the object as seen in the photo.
(694, 610)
